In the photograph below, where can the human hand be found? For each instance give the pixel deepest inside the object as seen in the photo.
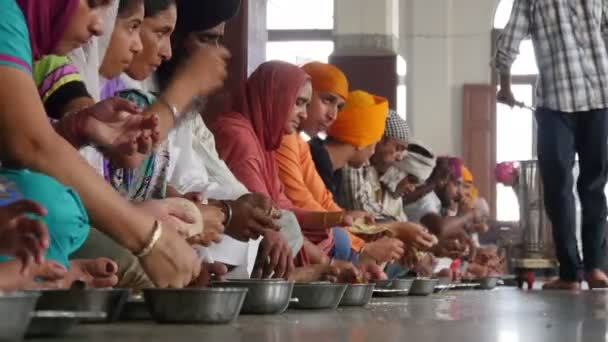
(252, 215)
(405, 187)
(452, 248)
(505, 96)
(115, 124)
(414, 234)
(210, 272)
(371, 272)
(385, 249)
(25, 238)
(172, 262)
(178, 213)
(274, 257)
(213, 218)
(205, 68)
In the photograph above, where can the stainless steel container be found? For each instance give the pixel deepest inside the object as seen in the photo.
(423, 287)
(201, 305)
(135, 309)
(357, 295)
(318, 296)
(536, 226)
(264, 296)
(58, 323)
(109, 301)
(395, 284)
(15, 314)
(488, 283)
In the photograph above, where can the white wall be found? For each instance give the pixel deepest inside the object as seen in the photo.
(446, 44)
(366, 17)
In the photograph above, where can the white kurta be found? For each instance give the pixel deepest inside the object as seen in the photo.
(196, 167)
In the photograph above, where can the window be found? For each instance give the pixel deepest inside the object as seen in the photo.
(402, 87)
(300, 15)
(503, 12)
(515, 130)
(300, 31)
(514, 141)
(299, 52)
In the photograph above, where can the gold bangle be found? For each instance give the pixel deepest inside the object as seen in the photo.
(156, 234)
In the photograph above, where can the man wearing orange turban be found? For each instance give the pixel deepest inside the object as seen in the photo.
(297, 171)
(303, 185)
(351, 139)
(350, 144)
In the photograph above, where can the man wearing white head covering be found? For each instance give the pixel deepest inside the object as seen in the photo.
(415, 166)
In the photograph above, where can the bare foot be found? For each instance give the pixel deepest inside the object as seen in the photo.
(96, 273)
(597, 279)
(315, 273)
(559, 284)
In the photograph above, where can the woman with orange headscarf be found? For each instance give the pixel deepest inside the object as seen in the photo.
(269, 105)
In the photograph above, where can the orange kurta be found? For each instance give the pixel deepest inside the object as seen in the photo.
(301, 181)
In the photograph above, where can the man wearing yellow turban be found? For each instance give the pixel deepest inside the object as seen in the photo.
(297, 171)
(351, 139)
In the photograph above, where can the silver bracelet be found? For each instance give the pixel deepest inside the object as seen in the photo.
(228, 212)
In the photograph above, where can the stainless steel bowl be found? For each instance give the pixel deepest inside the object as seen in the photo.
(357, 295)
(444, 281)
(317, 296)
(395, 284)
(202, 305)
(135, 309)
(488, 283)
(264, 296)
(15, 314)
(109, 301)
(423, 287)
(58, 323)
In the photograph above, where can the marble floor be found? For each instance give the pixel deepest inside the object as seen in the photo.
(501, 315)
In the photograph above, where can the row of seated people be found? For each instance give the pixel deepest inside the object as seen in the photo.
(131, 188)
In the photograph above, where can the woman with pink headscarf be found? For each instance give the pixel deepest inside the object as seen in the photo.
(269, 105)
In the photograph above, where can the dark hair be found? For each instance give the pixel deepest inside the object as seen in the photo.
(154, 7)
(194, 16)
(127, 7)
